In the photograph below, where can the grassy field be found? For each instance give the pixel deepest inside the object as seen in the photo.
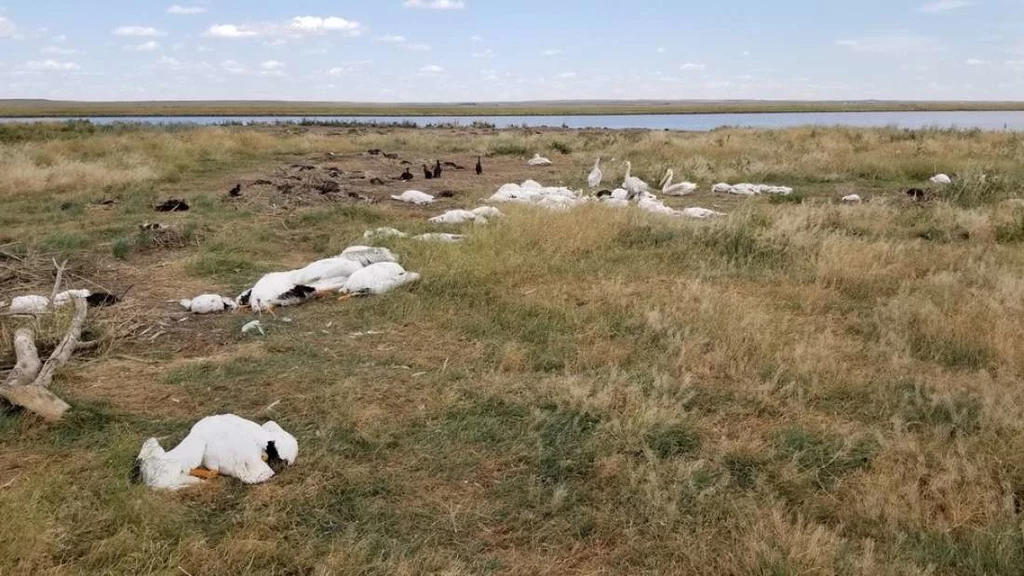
(52, 108)
(802, 387)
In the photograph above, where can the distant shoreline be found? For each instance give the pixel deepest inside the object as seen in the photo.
(58, 109)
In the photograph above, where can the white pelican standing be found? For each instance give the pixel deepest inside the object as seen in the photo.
(681, 189)
(539, 160)
(632, 184)
(594, 180)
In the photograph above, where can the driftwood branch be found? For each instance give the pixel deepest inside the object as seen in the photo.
(28, 384)
(56, 284)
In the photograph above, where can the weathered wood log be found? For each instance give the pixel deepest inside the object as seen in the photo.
(28, 384)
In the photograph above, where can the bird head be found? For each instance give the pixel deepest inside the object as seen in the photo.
(285, 444)
(668, 174)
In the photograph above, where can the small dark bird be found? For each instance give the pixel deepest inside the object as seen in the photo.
(479, 166)
(173, 205)
(446, 194)
(917, 194)
(101, 299)
(427, 173)
(407, 175)
(376, 181)
(604, 193)
(437, 169)
(236, 191)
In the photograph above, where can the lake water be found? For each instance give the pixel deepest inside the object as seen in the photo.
(695, 122)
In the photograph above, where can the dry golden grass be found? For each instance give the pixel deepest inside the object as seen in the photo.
(797, 388)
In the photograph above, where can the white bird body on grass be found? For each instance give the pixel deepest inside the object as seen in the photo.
(632, 184)
(721, 188)
(384, 233)
(66, 296)
(941, 179)
(439, 237)
(208, 304)
(700, 213)
(30, 304)
(379, 279)
(414, 197)
(539, 160)
(326, 269)
(456, 217)
(488, 212)
(681, 189)
(275, 289)
(852, 199)
(225, 444)
(367, 255)
(595, 177)
(655, 206)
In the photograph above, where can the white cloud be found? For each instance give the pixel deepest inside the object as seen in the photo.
(431, 70)
(894, 43)
(186, 10)
(975, 62)
(297, 27)
(391, 38)
(567, 75)
(7, 28)
(692, 67)
(349, 67)
(231, 31)
(476, 38)
(137, 31)
(436, 4)
(59, 38)
(51, 66)
(272, 65)
(144, 47)
(417, 47)
(943, 6)
(552, 52)
(485, 54)
(57, 50)
(182, 66)
(316, 24)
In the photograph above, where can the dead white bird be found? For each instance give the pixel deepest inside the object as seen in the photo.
(30, 304)
(852, 199)
(383, 233)
(700, 213)
(367, 255)
(208, 304)
(721, 188)
(595, 177)
(456, 217)
(941, 179)
(539, 160)
(488, 212)
(379, 278)
(275, 289)
(681, 189)
(327, 269)
(66, 296)
(439, 237)
(414, 197)
(218, 445)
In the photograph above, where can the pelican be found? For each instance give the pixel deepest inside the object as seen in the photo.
(367, 255)
(594, 180)
(488, 212)
(941, 179)
(222, 445)
(681, 189)
(325, 270)
(384, 233)
(442, 238)
(700, 213)
(208, 304)
(457, 217)
(852, 199)
(539, 160)
(275, 289)
(632, 184)
(414, 197)
(378, 278)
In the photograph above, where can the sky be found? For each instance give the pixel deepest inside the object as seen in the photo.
(511, 50)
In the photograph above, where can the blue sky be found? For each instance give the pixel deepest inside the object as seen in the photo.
(495, 50)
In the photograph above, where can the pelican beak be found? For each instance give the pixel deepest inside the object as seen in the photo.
(344, 297)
